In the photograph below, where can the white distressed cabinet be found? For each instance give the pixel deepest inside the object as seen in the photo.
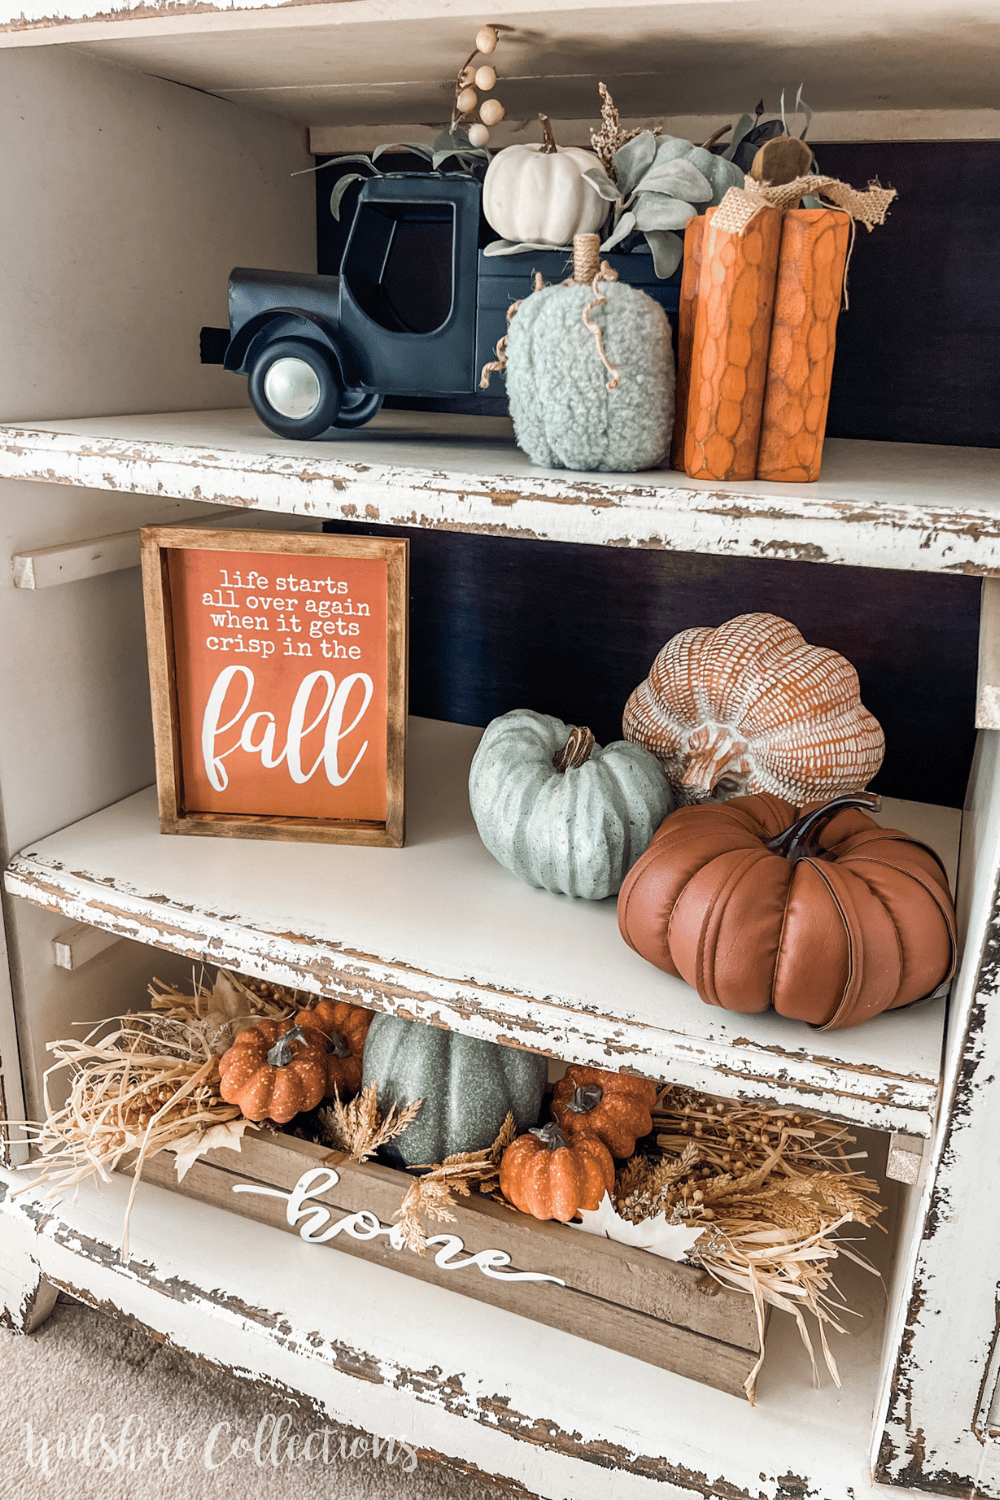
(143, 155)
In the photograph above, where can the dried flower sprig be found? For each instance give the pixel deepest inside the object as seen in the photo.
(606, 141)
(772, 1188)
(358, 1128)
(433, 1195)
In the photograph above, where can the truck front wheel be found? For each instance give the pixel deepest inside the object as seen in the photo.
(295, 389)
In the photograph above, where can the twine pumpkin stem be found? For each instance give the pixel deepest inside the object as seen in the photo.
(576, 751)
(281, 1053)
(801, 839)
(548, 146)
(586, 258)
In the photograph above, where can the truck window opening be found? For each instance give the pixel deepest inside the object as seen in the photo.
(399, 266)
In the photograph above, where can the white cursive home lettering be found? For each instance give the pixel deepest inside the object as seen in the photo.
(317, 1227)
(258, 732)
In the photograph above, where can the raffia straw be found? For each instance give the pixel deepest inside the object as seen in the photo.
(139, 1088)
(773, 1189)
(433, 1195)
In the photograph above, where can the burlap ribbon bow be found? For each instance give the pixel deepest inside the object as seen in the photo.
(740, 205)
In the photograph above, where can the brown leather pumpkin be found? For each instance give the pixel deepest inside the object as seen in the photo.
(345, 1027)
(275, 1070)
(543, 1175)
(613, 1106)
(824, 915)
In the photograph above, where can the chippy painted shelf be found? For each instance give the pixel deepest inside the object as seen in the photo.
(439, 931)
(889, 505)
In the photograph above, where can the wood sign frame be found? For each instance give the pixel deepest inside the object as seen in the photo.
(281, 778)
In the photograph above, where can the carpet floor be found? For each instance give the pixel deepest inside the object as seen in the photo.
(92, 1408)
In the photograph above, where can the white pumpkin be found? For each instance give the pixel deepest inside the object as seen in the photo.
(539, 194)
(557, 810)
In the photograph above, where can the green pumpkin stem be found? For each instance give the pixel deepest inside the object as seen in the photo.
(586, 1098)
(576, 751)
(801, 839)
(550, 1136)
(281, 1054)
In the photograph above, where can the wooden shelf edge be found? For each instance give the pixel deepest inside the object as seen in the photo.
(862, 1095)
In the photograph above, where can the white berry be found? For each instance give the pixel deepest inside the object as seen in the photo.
(467, 101)
(486, 40)
(485, 78)
(478, 135)
(466, 77)
(491, 112)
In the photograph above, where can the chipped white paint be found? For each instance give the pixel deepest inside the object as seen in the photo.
(905, 1158)
(400, 1357)
(892, 505)
(471, 948)
(78, 944)
(988, 679)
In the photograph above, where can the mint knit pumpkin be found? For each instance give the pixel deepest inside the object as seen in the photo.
(564, 414)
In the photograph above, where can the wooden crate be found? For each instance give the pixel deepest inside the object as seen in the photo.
(656, 1310)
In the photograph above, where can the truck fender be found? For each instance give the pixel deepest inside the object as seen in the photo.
(274, 323)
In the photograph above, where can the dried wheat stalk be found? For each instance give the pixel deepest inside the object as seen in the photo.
(606, 141)
(358, 1128)
(142, 1086)
(773, 1189)
(433, 1194)
(230, 1004)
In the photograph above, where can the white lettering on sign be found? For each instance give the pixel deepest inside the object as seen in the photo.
(257, 735)
(318, 1227)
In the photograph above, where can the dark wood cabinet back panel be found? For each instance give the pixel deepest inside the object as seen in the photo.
(497, 624)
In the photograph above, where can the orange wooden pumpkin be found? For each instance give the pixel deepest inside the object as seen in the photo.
(613, 1106)
(826, 916)
(275, 1071)
(543, 1175)
(345, 1027)
(752, 707)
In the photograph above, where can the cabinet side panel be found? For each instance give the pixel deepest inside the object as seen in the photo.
(133, 199)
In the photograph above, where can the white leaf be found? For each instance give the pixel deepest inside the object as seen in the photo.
(217, 1137)
(671, 1241)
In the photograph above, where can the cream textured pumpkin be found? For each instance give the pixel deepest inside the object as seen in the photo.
(539, 194)
(752, 707)
(557, 810)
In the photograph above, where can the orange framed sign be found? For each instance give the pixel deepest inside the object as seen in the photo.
(278, 673)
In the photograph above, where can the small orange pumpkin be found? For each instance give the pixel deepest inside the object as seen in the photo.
(345, 1027)
(274, 1071)
(827, 916)
(613, 1106)
(543, 1175)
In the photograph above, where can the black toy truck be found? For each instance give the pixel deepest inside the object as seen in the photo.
(416, 310)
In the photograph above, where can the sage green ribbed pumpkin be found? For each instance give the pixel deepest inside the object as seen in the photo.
(557, 810)
(467, 1087)
(570, 409)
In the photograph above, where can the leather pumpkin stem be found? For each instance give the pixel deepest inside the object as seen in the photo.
(281, 1053)
(801, 839)
(586, 1098)
(550, 1136)
(576, 751)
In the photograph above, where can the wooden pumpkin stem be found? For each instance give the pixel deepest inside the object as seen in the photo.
(586, 1098)
(281, 1054)
(550, 1136)
(548, 146)
(801, 840)
(576, 751)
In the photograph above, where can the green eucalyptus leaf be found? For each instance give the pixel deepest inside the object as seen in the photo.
(466, 156)
(522, 247)
(721, 174)
(415, 147)
(667, 250)
(669, 147)
(340, 188)
(741, 130)
(452, 138)
(601, 183)
(622, 230)
(633, 159)
(658, 211)
(679, 178)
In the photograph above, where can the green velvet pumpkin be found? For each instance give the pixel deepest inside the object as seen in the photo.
(467, 1087)
(576, 830)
